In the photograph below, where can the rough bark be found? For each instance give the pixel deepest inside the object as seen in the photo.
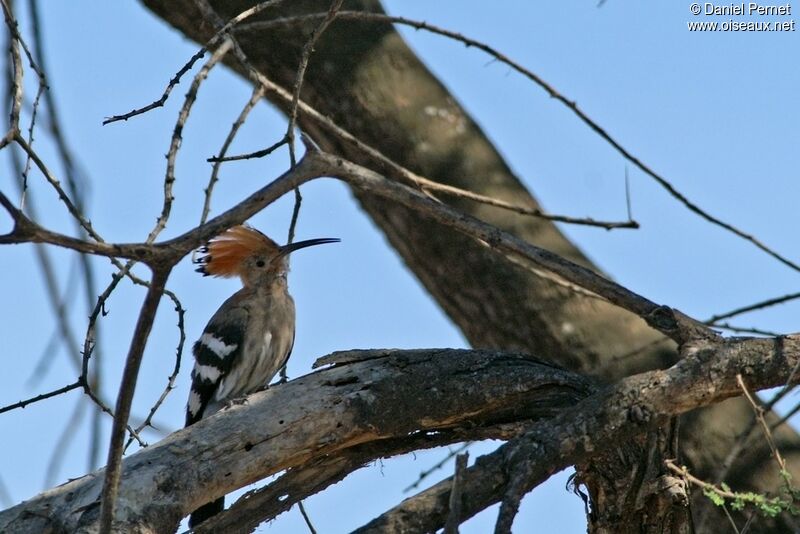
(368, 81)
(377, 398)
(595, 428)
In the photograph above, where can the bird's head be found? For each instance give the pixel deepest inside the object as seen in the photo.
(245, 252)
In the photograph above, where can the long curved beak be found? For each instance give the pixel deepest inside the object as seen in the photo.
(297, 245)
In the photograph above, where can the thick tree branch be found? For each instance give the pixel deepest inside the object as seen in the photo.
(392, 395)
(707, 376)
(378, 397)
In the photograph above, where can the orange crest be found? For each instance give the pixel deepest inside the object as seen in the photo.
(225, 253)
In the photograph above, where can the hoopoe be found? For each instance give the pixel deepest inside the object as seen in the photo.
(250, 337)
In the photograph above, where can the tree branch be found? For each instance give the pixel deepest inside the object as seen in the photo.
(401, 395)
(125, 398)
(382, 397)
(707, 376)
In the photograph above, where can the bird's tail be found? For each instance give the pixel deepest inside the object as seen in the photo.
(206, 511)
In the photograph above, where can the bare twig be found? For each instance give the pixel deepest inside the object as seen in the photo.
(306, 518)
(211, 43)
(786, 417)
(438, 465)
(73, 179)
(759, 413)
(305, 55)
(753, 307)
(258, 94)
(125, 398)
(175, 142)
(89, 344)
(252, 155)
(747, 436)
(429, 185)
(551, 91)
(628, 195)
(41, 397)
(454, 516)
(731, 522)
(175, 80)
(74, 210)
(17, 76)
(171, 379)
(744, 329)
(515, 490)
(423, 184)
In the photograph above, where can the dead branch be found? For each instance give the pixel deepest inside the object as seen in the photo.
(707, 376)
(311, 417)
(553, 93)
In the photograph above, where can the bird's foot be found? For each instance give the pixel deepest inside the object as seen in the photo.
(238, 401)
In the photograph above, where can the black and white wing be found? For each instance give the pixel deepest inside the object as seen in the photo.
(215, 353)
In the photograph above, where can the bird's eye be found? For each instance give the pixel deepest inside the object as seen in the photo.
(260, 263)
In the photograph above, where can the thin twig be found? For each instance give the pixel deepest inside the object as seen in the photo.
(175, 142)
(305, 55)
(255, 97)
(454, 516)
(89, 344)
(306, 518)
(298, 201)
(759, 413)
(438, 465)
(252, 155)
(211, 43)
(17, 76)
(753, 307)
(551, 91)
(176, 369)
(520, 470)
(786, 417)
(73, 179)
(75, 211)
(628, 194)
(731, 522)
(429, 185)
(744, 329)
(747, 436)
(41, 397)
(423, 184)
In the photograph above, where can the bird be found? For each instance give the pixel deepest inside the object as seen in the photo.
(250, 337)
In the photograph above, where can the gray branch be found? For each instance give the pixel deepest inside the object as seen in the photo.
(402, 394)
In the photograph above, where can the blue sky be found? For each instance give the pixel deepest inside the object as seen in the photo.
(716, 113)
